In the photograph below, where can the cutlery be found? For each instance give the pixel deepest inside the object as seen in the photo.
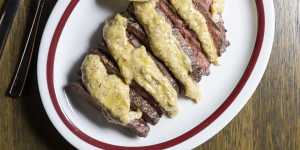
(8, 14)
(18, 83)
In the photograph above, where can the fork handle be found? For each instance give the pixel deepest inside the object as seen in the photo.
(20, 77)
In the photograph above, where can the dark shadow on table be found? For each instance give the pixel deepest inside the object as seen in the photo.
(37, 118)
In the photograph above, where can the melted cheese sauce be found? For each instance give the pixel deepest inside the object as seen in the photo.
(110, 91)
(165, 45)
(197, 22)
(136, 64)
(217, 8)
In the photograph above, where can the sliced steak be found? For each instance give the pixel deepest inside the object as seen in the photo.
(206, 4)
(217, 30)
(107, 60)
(188, 40)
(138, 126)
(135, 30)
(225, 43)
(151, 112)
(144, 94)
(137, 37)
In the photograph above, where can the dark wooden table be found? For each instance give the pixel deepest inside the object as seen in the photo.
(271, 119)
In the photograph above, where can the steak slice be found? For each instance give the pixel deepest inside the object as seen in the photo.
(217, 29)
(138, 126)
(188, 39)
(144, 94)
(205, 4)
(151, 112)
(137, 37)
(189, 42)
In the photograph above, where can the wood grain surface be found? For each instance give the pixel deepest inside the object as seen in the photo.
(270, 120)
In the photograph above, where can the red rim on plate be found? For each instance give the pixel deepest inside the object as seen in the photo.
(83, 136)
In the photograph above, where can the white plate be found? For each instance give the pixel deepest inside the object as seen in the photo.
(73, 28)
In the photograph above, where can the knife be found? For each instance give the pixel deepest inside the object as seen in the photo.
(6, 19)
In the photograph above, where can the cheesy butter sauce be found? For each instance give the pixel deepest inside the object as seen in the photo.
(217, 8)
(109, 90)
(166, 46)
(135, 64)
(197, 22)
